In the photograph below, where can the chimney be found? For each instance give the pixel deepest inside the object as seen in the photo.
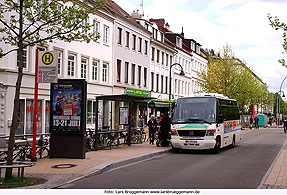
(182, 33)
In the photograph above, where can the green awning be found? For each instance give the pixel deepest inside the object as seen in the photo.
(161, 104)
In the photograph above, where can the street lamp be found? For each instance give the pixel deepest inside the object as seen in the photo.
(181, 73)
(278, 104)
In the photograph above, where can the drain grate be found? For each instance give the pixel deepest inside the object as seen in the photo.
(63, 166)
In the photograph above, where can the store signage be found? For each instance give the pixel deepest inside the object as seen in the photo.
(137, 92)
(68, 106)
(47, 67)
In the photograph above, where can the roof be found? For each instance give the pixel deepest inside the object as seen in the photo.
(116, 10)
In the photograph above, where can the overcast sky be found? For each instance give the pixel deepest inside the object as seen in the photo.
(243, 24)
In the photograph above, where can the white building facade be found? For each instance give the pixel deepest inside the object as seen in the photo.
(76, 60)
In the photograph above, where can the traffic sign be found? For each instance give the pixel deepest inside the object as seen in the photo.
(47, 67)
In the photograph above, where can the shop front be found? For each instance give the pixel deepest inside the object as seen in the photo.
(123, 113)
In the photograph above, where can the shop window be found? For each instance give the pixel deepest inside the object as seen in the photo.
(47, 117)
(20, 118)
(30, 115)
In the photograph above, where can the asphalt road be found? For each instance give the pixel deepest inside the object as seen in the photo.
(242, 167)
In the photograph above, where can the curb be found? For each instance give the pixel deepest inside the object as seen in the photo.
(264, 186)
(101, 168)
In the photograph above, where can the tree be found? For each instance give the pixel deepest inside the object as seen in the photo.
(275, 23)
(26, 23)
(231, 77)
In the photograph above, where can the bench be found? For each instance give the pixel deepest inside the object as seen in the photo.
(17, 164)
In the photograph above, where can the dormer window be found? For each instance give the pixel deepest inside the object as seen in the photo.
(192, 46)
(197, 49)
(178, 42)
(161, 37)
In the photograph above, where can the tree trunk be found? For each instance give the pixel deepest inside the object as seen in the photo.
(11, 142)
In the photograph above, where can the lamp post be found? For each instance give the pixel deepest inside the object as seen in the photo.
(181, 73)
(278, 104)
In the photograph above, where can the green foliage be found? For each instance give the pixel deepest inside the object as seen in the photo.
(40, 22)
(229, 76)
(278, 25)
(15, 182)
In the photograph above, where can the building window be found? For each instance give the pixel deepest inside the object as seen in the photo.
(134, 42)
(157, 82)
(166, 84)
(170, 62)
(140, 45)
(152, 53)
(84, 24)
(166, 60)
(95, 70)
(96, 27)
(24, 56)
(139, 75)
(83, 68)
(152, 81)
(71, 65)
(133, 73)
(119, 62)
(175, 85)
(145, 77)
(105, 72)
(157, 55)
(162, 58)
(178, 42)
(119, 36)
(105, 35)
(60, 61)
(127, 39)
(145, 47)
(161, 83)
(126, 72)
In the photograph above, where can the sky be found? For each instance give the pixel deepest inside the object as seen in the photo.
(242, 24)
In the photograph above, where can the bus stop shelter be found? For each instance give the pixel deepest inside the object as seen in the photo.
(130, 99)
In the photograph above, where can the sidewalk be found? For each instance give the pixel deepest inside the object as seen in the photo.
(94, 163)
(102, 160)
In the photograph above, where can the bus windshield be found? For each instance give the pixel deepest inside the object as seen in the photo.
(195, 110)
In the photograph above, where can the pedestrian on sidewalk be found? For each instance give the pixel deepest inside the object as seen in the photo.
(285, 125)
(256, 120)
(251, 122)
(163, 135)
(152, 126)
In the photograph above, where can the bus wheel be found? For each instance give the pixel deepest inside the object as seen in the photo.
(233, 142)
(217, 146)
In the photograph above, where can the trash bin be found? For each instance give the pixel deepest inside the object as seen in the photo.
(262, 120)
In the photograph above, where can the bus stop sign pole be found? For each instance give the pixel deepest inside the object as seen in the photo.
(34, 158)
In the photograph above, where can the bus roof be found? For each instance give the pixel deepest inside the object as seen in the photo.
(216, 95)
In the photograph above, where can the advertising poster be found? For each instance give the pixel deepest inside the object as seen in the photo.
(68, 106)
(124, 115)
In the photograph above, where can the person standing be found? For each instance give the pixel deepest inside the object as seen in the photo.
(285, 125)
(251, 122)
(164, 130)
(256, 120)
(152, 126)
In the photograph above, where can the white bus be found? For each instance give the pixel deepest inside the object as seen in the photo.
(205, 121)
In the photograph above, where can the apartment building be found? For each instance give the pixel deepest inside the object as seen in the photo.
(76, 60)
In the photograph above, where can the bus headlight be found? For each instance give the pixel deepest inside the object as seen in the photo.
(173, 132)
(210, 132)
